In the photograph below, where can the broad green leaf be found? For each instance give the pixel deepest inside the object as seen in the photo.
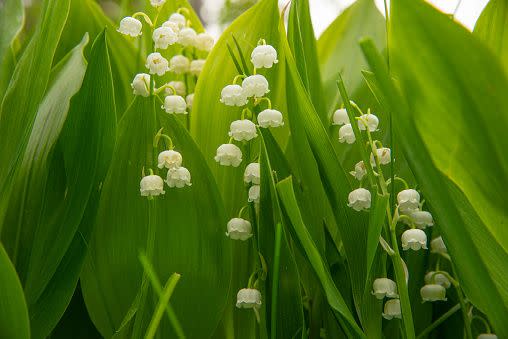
(491, 28)
(11, 22)
(14, 321)
(189, 229)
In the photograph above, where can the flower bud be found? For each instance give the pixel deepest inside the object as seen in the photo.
(242, 130)
(422, 219)
(438, 246)
(437, 278)
(157, 64)
(169, 159)
(408, 200)
(433, 292)
(414, 239)
(360, 171)
(384, 156)
(163, 37)
(179, 64)
(264, 56)
(254, 193)
(196, 66)
(157, 3)
(130, 26)
(487, 336)
(151, 186)
(255, 86)
(248, 298)
(270, 118)
(175, 104)
(233, 95)
(173, 25)
(252, 173)
(392, 309)
(239, 229)
(346, 134)
(359, 199)
(204, 42)
(179, 20)
(179, 87)
(141, 84)
(340, 117)
(187, 36)
(369, 121)
(384, 287)
(229, 155)
(178, 177)
(189, 100)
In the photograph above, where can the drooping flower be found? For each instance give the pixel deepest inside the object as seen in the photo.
(369, 121)
(346, 134)
(163, 37)
(157, 3)
(248, 298)
(270, 118)
(169, 159)
(157, 64)
(384, 287)
(204, 42)
(178, 19)
(179, 87)
(189, 100)
(360, 171)
(130, 26)
(233, 95)
(196, 66)
(408, 200)
(437, 278)
(340, 117)
(433, 292)
(173, 25)
(229, 155)
(255, 86)
(239, 229)
(422, 219)
(179, 64)
(187, 36)
(264, 56)
(487, 336)
(252, 173)
(392, 309)
(359, 199)
(254, 193)
(151, 186)
(383, 154)
(414, 239)
(141, 84)
(178, 177)
(243, 130)
(438, 246)
(175, 104)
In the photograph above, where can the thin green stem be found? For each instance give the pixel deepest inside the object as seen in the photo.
(144, 16)
(483, 321)
(387, 22)
(463, 305)
(381, 178)
(275, 280)
(438, 321)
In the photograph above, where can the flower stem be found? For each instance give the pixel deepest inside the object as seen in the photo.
(438, 321)
(275, 281)
(463, 305)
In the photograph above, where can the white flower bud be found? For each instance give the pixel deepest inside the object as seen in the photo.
(248, 298)
(151, 186)
(163, 37)
(239, 229)
(196, 66)
(487, 336)
(233, 95)
(270, 118)
(175, 104)
(414, 239)
(384, 156)
(130, 26)
(157, 3)
(173, 25)
(187, 36)
(252, 173)
(433, 292)
(437, 278)
(384, 287)
(189, 100)
(169, 159)
(254, 193)
(368, 120)
(204, 42)
(179, 87)
(437, 245)
(141, 84)
(255, 85)
(179, 64)
(242, 130)
(178, 177)
(179, 20)
(359, 199)
(340, 117)
(157, 64)
(264, 56)
(229, 155)
(408, 200)
(392, 309)
(422, 219)
(346, 134)
(360, 171)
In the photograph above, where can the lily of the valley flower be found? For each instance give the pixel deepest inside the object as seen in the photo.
(384, 287)
(178, 177)
(196, 66)
(392, 309)
(179, 64)
(178, 19)
(157, 3)
(360, 171)
(252, 173)
(204, 42)
(151, 186)
(175, 104)
(487, 336)
(433, 292)
(243, 130)
(359, 199)
(346, 134)
(189, 100)
(340, 117)
(369, 121)
(438, 246)
(255, 86)
(130, 26)
(414, 239)
(248, 298)
(422, 219)
(233, 95)
(179, 87)
(239, 229)
(408, 200)
(157, 64)
(187, 36)
(383, 154)
(169, 159)
(437, 278)
(163, 37)
(264, 56)
(141, 84)
(229, 155)
(270, 118)
(254, 193)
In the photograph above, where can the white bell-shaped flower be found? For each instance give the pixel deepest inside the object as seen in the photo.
(179, 64)
(141, 84)
(252, 173)
(233, 95)
(189, 100)
(384, 287)
(157, 3)
(392, 309)
(254, 193)
(359, 199)
(175, 104)
(369, 121)
(204, 42)
(433, 292)
(340, 117)
(438, 246)
(360, 171)
(178, 19)
(169, 159)
(255, 86)
(408, 200)
(196, 66)
(383, 154)
(187, 36)
(437, 278)
(151, 186)
(487, 336)
(178, 177)
(248, 298)
(422, 219)
(173, 25)
(130, 26)
(157, 64)
(229, 155)
(414, 239)
(179, 87)
(163, 37)
(239, 229)
(264, 56)
(243, 130)
(346, 134)
(270, 118)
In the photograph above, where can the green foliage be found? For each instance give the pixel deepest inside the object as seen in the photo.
(11, 20)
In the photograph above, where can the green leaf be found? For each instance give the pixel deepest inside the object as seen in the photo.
(13, 311)
(11, 22)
